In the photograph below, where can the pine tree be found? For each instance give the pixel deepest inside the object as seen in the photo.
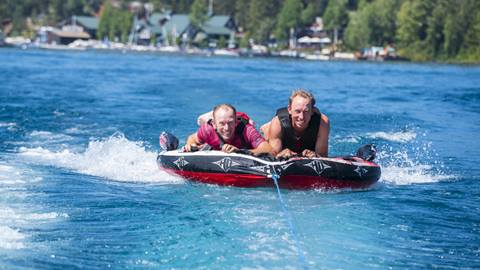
(357, 33)
(241, 13)
(412, 28)
(435, 35)
(471, 46)
(198, 13)
(260, 22)
(336, 16)
(288, 18)
(104, 24)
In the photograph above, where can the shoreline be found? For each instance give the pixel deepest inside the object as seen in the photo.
(220, 53)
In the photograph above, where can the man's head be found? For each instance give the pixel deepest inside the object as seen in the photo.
(225, 121)
(300, 107)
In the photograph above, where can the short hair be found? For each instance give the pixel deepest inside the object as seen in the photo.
(303, 93)
(223, 106)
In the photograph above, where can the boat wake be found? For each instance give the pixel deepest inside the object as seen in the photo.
(18, 215)
(115, 158)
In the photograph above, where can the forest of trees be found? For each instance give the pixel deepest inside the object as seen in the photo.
(442, 30)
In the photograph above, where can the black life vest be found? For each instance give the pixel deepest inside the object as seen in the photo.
(298, 143)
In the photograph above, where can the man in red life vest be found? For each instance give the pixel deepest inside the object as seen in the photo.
(228, 133)
(298, 129)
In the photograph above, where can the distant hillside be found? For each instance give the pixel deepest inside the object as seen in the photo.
(445, 30)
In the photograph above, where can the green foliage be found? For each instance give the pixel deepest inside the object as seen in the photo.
(456, 23)
(436, 22)
(438, 29)
(241, 14)
(372, 25)
(222, 43)
(412, 28)
(244, 42)
(264, 30)
(447, 30)
(470, 51)
(260, 22)
(198, 13)
(357, 34)
(114, 23)
(288, 18)
(336, 15)
(309, 14)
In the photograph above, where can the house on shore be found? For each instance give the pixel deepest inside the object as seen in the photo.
(168, 29)
(314, 37)
(64, 36)
(216, 29)
(89, 24)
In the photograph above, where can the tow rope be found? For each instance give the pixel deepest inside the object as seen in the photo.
(301, 259)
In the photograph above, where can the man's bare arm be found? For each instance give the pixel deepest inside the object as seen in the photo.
(275, 136)
(191, 141)
(264, 147)
(321, 146)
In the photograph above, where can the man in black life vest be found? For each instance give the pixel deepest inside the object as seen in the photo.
(299, 129)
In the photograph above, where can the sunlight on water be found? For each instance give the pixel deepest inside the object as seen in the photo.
(114, 158)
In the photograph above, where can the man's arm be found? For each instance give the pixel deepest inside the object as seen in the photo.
(275, 136)
(191, 141)
(264, 147)
(275, 140)
(321, 147)
(265, 129)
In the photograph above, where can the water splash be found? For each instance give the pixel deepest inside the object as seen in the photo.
(405, 156)
(347, 139)
(11, 238)
(400, 168)
(114, 158)
(401, 137)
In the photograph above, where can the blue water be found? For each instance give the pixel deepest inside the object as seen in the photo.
(79, 187)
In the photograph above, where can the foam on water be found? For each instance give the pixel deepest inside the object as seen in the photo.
(400, 169)
(46, 137)
(114, 158)
(401, 137)
(398, 136)
(410, 162)
(16, 214)
(7, 124)
(347, 139)
(10, 126)
(11, 238)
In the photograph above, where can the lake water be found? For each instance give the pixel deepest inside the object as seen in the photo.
(79, 186)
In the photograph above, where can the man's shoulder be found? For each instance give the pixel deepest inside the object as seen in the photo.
(205, 129)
